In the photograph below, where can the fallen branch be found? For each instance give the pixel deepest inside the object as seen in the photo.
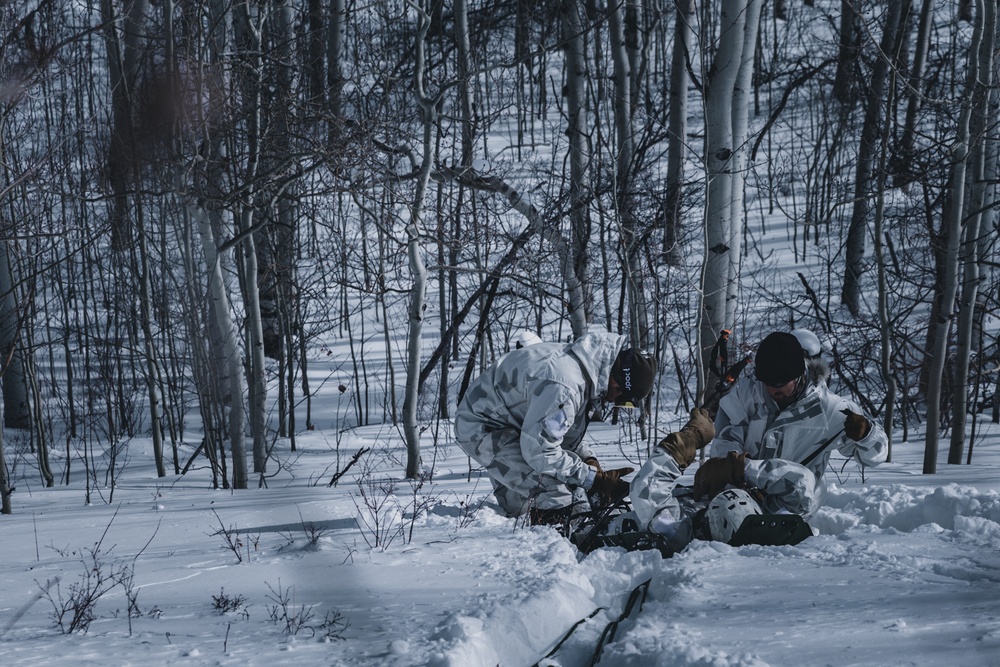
(354, 459)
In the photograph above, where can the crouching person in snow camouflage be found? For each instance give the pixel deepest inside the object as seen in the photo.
(774, 433)
(524, 420)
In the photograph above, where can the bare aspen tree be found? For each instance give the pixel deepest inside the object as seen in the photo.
(885, 324)
(125, 52)
(16, 406)
(847, 62)
(870, 132)
(222, 309)
(914, 93)
(450, 257)
(414, 251)
(334, 62)
(577, 130)
(969, 254)
(123, 57)
(255, 343)
(632, 232)
(313, 73)
(742, 108)
(15, 388)
(725, 141)
(248, 26)
(577, 272)
(223, 406)
(5, 491)
(952, 233)
(277, 256)
(677, 128)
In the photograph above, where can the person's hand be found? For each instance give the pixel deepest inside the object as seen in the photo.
(683, 444)
(609, 485)
(856, 426)
(714, 475)
(699, 428)
(592, 462)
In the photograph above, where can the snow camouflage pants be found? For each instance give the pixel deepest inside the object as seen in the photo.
(516, 485)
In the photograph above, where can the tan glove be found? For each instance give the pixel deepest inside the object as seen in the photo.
(683, 444)
(714, 475)
(592, 462)
(609, 484)
(856, 426)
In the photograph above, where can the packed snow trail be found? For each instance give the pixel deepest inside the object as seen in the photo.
(936, 552)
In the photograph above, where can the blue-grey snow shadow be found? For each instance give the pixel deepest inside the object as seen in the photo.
(325, 524)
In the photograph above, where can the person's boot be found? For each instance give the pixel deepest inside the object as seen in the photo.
(557, 517)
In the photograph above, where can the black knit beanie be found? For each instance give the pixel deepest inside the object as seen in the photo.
(779, 359)
(634, 371)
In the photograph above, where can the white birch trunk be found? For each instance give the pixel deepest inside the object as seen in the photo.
(953, 235)
(222, 308)
(576, 267)
(971, 276)
(414, 254)
(677, 129)
(720, 150)
(632, 233)
(741, 122)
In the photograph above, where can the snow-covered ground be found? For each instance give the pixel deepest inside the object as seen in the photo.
(905, 570)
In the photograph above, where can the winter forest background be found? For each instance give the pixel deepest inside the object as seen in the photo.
(253, 252)
(198, 198)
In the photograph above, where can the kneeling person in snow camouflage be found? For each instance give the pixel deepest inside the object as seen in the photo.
(524, 420)
(775, 433)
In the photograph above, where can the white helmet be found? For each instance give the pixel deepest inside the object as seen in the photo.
(726, 512)
(524, 339)
(809, 342)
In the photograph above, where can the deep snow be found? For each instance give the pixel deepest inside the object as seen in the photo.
(905, 571)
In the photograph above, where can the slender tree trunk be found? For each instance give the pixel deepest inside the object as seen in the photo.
(870, 133)
(741, 121)
(723, 219)
(123, 57)
(5, 490)
(314, 71)
(16, 406)
(249, 30)
(952, 232)
(885, 321)
(843, 87)
(903, 166)
(677, 129)
(414, 253)
(968, 312)
(152, 372)
(255, 346)
(335, 63)
(633, 236)
(231, 352)
(579, 166)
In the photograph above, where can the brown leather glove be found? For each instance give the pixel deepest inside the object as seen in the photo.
(856, 426)
(592, 462)
(715, 474)
(609, 484)
(683, 444)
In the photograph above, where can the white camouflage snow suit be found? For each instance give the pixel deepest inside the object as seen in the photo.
(776, 443)
(524, 419)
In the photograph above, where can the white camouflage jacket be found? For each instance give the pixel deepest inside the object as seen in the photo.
(776, 443)
(788, 450)
(546, 391)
